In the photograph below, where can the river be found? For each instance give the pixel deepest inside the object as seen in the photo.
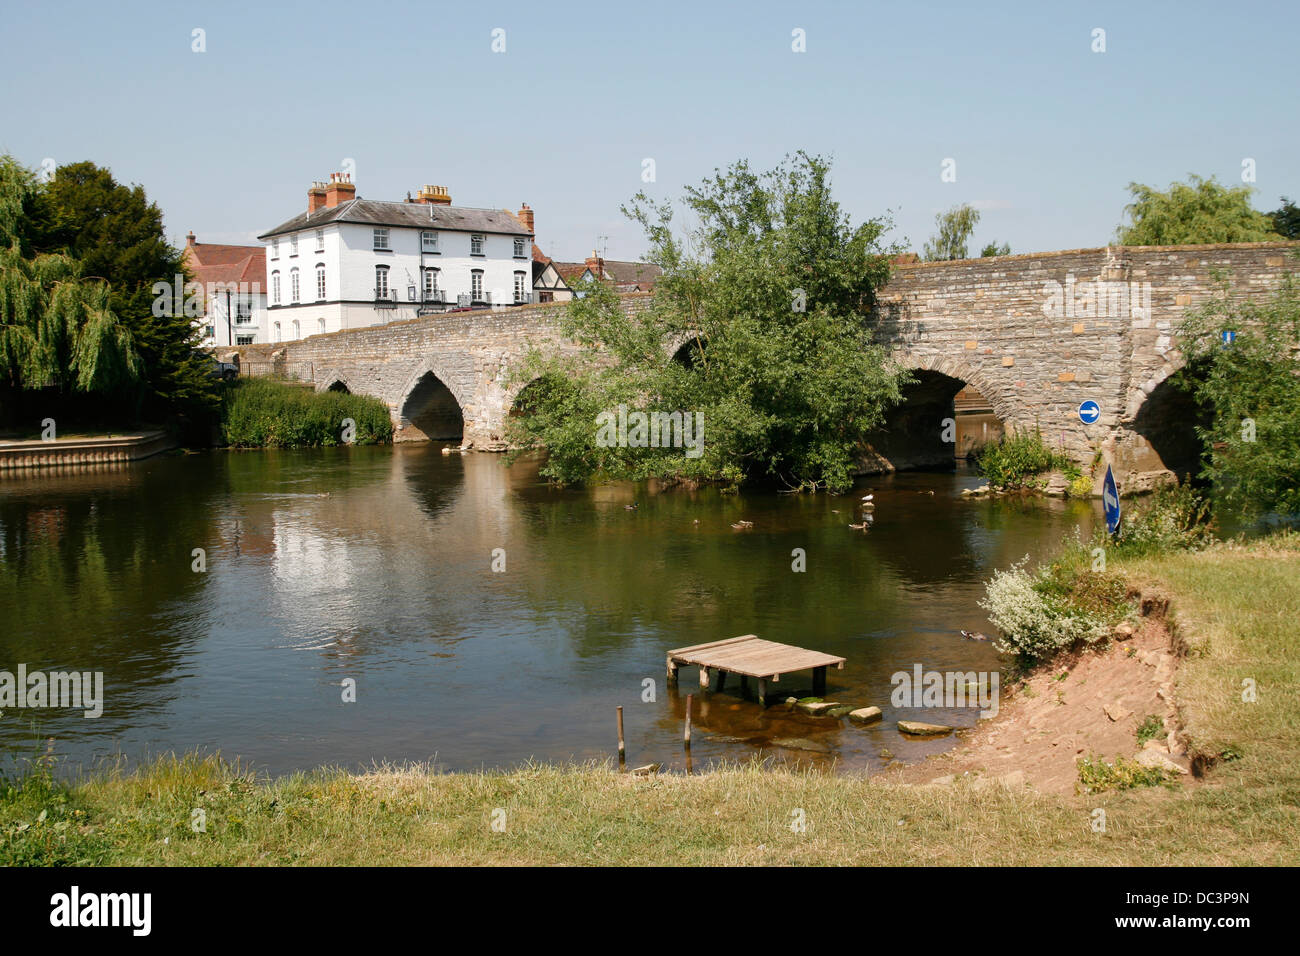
(375, 566)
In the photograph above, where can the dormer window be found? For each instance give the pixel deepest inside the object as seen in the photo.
(476, 245)
(381, 240)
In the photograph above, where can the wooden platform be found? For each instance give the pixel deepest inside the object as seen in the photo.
(751, 656)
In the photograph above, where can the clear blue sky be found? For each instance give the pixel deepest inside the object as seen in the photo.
(1046, 134)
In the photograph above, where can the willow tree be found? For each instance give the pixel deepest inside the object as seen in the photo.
(1192, 213)
(56, 328)
(767, 305)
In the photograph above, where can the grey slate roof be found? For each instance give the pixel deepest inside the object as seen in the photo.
(415, 215)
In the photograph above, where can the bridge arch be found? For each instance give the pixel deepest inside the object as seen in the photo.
(430, 404)
(982, 381)
(949, 411)
(331, 378)
(681, 347)
(1161, 424)
(1137, 396)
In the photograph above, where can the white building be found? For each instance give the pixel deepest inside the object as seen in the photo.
(349, 262)
(233, 284)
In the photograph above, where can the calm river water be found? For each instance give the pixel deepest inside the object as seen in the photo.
(375, 564)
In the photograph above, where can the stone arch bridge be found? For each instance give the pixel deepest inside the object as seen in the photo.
(1035, 335)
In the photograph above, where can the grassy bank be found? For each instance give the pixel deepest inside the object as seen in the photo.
(259, 413)
(1234, 608)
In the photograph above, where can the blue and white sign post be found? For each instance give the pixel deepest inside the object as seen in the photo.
(1228, 336)
(1110, 501)
(1089, 412)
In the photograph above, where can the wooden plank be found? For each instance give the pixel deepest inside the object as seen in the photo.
(751, 656)
(701, 647)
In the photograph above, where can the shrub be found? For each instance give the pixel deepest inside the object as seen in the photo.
(1017, 457)
(1037, 615)
(1174, 518)
(258, 413)
(1081, 486)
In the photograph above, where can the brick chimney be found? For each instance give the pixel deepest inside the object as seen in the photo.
(189, 238)
(339, 190)
(525, 216)
(434, 196)
(596, 264)
(315, 197)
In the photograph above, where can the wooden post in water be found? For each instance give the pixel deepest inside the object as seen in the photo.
(690, 703)
(622, 749)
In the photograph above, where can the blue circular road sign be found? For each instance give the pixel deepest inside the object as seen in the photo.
(1089, 412)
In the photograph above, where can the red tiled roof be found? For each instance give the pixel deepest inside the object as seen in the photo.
(570, 270)
(215, 262)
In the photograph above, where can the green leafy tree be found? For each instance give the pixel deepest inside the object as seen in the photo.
(993, 249)
(1191, 213)
(116, 233)
(768, 302)
(1286, 219)
(954, 231)
(57, 329)
(1252, 387)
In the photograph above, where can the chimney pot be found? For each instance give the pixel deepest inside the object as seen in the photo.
(315, 197)
(433, 195)
(525, 217)
(339, 190)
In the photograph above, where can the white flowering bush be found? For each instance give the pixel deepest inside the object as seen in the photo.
(1036, 625)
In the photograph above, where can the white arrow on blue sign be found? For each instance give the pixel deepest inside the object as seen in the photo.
(1229, 336)
(1110, 501)
(1089, 412)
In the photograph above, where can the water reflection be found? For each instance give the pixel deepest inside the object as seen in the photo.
(376, 564)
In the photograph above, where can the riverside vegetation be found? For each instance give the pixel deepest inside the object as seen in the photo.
(258, 413)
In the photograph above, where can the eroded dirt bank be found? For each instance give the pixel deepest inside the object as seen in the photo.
(1090, 703)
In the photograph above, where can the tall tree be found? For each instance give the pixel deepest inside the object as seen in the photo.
(769, 301)
(954, 231)
(1286, 219)
(57, 329)
(1191, 213)
(1252, 386)
(116, 233)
